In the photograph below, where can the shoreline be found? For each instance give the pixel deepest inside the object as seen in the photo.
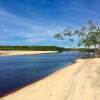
(79, 81)
(14, 53)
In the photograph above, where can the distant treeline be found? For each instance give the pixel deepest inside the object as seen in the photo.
(35, 48)
(44, 48)
(80, 49)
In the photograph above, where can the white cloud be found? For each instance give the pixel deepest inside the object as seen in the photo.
(36, 40)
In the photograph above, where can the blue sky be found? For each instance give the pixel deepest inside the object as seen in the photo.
(34, 22)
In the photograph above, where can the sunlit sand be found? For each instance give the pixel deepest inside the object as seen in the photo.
(12, 53)
(80, 81)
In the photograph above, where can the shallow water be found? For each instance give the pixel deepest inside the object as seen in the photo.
(18, 71)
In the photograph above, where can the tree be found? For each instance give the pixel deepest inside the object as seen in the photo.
(89, 36)
(65, 35)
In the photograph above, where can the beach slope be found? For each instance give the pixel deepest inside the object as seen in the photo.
(14, 53)
(80, 81)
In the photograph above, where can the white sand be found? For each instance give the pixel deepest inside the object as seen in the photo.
(80, 81)
(12, 53)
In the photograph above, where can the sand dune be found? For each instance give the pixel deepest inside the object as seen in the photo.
(80, 81)
(11, 53)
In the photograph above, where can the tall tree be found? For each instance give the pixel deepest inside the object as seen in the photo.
(89, 35)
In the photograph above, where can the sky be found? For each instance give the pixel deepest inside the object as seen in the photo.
(34, 22)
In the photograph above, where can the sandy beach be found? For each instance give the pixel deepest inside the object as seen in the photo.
(79, 81)
(12, 53)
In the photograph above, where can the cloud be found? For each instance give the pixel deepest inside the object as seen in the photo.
(19, 23)
(33, 20)
(25, 23)
(36, 40)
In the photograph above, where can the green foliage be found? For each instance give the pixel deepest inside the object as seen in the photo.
(89, 36)
(65, 35)
(35, 48)
(79, 49)
(85, 50)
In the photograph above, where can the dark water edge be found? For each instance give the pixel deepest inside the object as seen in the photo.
(19, 71)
